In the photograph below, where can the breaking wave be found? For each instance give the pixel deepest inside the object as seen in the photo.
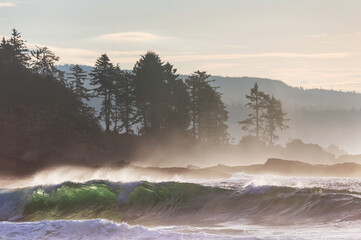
(169, 203)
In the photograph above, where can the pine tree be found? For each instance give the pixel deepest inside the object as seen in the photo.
(195, 82)
(274, 119)
(208, 112)
(257, 104)
(4, 52)
(43, 61)
(150, 85)
(20, 53)
(4, 49)
(162, 98)
(128, 109)
(76, 79)
(125, 101)
(117, 78)
(177, 102)
(213, 115)
(103, 82)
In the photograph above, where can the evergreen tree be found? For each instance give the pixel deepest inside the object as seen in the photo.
(14, 50)
(43, 62)
(257, 104)
(162, 98)
(20, 53)
(60, 75)
(116, 75)
(195, 82)
(37, 112)
(125, 101)
(103, 82)
(177, 102)
(213, 115)
(274, 119)
(76, 79)
(150, 86)
(75, 82)
(4, 49)
(208, 112)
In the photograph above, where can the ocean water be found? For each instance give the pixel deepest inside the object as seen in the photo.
(241, 207)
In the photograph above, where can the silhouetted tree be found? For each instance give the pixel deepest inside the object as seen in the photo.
(6, 54)
(150, 83)
(43, 61)
(3, 48)
(125, 108)
(274, 119)
(214, 116)
(19, 53)
(103, 82)
(177, 102)
(195, 82)
(208, 112)
(116, 75)
(36, 111)
(257, 104)
(76, 79)
(75, 82)
(162, 98)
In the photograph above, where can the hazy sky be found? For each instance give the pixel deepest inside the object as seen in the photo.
(313, 43)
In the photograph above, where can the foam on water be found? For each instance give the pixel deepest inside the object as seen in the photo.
(103, 229)
(91, 229)
(242, 180)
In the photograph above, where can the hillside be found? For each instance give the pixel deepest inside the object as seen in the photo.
(317, 116)
(235, 88)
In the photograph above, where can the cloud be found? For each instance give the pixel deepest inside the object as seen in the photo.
(316, 36)
(126, 53)
(355, 34)
(7, 4)
(130, 37)
(238, 46)
(75, 55)
(269, 64)
(88, 57)
(205, 57)
(347, 78)
(211, 66)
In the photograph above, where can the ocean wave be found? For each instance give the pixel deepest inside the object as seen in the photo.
(170, 203)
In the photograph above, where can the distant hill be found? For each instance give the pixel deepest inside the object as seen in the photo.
(234, 90)
(316, 115)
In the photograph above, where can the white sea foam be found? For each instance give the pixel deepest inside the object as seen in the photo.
(100, 229)
(129, 174)
(90, 229)
(242, 180)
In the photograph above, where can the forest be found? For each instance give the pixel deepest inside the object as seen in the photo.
(45, 118)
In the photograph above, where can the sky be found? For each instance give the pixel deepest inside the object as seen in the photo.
(309, 43)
